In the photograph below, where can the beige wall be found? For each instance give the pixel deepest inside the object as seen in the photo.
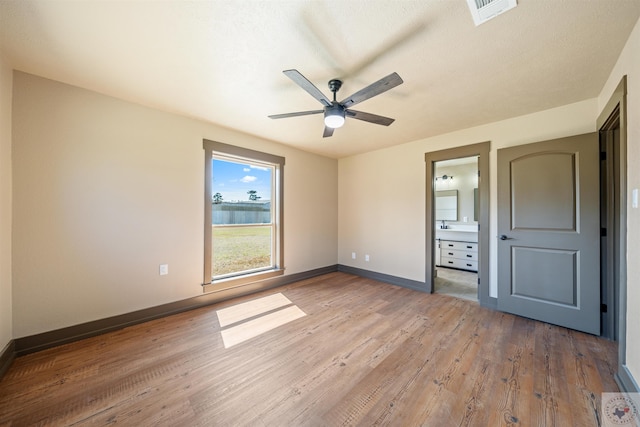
(629, 64)
(105, 191)
(6, 79)
(382, 193)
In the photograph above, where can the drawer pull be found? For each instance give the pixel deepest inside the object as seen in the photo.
(450, 262)
(450, 245)
(469, 247)
(468, 265)
(469, 256)
(450, 253)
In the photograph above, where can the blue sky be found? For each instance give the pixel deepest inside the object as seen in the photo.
(233, 180)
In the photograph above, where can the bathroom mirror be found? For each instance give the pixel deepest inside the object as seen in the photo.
(447, 205)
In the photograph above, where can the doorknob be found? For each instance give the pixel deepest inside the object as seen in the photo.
(503, 237)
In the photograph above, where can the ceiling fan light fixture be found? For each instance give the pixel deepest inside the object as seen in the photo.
(334, 120)
(334, 116)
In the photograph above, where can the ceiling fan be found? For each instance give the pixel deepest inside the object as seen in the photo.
(335, 112)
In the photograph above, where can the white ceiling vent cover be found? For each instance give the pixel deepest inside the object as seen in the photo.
(483, 10)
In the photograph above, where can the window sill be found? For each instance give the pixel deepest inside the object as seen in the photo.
(238, 281)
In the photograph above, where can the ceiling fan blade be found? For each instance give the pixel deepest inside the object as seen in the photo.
(305, 84)
(327, 132)
(299, 113)
(382, 85)
(368, 117)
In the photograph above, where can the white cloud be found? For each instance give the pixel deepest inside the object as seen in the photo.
(259, 168)
(248, 179)
(246, 169)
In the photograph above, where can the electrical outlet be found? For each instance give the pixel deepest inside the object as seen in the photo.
(353, 255)
(366, 258)
(164, 269)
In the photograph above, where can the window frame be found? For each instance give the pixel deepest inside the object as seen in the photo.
(272, 224)
(241, 154)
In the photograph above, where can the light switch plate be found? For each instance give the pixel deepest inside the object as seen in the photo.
(164, 269)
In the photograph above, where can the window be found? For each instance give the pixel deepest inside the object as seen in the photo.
(243, 215)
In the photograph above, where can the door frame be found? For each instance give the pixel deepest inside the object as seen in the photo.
(481, 150)
(617, 104)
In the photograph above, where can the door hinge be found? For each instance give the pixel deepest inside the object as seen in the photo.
(478, 281)
(603, 308)
(603, 232)
(603, 155)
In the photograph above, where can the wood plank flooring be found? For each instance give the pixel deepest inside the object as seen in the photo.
(366, 353)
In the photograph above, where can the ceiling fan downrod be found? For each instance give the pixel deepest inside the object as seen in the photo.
(334, 86)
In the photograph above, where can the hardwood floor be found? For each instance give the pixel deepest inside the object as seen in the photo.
(366, 353)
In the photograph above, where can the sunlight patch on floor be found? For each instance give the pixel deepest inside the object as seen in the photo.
(253, 318)
(240, 312)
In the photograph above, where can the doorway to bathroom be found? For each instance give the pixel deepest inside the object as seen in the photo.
(456, 227)
(457, 242)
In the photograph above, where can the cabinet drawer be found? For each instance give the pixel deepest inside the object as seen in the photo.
(465, 255)
(459, 263)
(462, 246)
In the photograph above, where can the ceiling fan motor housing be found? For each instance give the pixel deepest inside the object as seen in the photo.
(334, 110)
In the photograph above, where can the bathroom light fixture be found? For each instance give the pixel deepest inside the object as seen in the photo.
(444, 177)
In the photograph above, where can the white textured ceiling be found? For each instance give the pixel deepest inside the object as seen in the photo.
(222, 61)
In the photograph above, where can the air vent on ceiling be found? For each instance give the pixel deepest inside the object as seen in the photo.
(483, 10)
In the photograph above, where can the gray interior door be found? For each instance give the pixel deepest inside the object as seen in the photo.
(549, 232)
